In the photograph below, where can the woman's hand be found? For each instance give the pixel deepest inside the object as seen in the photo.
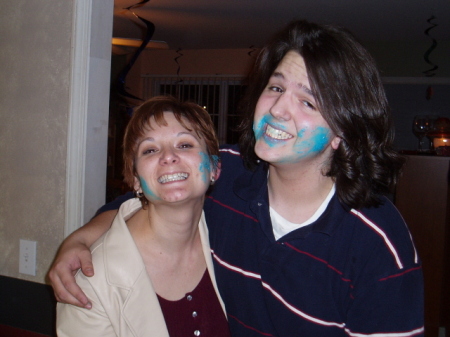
(74, 254)
(71, 257)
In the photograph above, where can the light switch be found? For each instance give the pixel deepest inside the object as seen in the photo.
(27, 258)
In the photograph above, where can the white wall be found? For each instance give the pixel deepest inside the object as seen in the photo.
(36, 91)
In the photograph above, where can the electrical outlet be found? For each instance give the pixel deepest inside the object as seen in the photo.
(27, 258)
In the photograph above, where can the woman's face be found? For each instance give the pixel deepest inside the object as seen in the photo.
(288, 126)
(172, 163)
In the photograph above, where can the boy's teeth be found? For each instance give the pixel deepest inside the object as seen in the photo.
(277, 134)
(172, 177)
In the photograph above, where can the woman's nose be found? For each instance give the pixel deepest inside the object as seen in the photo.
(281, 108)
(168, 157)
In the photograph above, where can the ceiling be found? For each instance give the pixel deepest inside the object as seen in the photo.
(211, 24)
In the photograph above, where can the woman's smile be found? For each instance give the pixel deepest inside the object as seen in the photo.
(168, 178)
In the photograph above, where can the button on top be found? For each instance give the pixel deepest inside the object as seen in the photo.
(189, 297)
(197, 332)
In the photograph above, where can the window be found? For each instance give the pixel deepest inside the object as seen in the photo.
(219, 95)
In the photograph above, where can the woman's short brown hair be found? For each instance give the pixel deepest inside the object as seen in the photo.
(198, 119)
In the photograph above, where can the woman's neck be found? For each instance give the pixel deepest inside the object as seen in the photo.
(168, 239)
(173, 227)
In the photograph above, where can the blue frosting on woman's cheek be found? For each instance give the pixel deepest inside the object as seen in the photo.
(215, 161)
(147, 191)
(205, 166)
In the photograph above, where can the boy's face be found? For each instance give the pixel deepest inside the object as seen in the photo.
(288, 125)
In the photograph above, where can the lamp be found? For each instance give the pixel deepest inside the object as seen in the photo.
(129, 42)
(440, 134)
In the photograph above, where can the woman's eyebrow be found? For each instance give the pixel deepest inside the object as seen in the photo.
(146, 139)
(189, 133)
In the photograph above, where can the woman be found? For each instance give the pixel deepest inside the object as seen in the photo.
(154, 274)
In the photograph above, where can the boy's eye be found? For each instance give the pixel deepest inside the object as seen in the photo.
(309, 105)
(276, 89)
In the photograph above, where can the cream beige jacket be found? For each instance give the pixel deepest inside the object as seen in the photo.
(124, 302)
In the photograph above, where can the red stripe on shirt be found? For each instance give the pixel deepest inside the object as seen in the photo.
(232, 209)
(318, 259)
(400, 274)
(249, 327)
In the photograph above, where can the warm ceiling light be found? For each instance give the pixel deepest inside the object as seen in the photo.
(128, 42)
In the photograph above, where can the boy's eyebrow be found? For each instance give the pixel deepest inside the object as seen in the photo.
(303, 87)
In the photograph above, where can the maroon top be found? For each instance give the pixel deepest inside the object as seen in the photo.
(198, 313)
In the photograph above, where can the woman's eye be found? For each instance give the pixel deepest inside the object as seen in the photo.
(148, 151)
(186, 146)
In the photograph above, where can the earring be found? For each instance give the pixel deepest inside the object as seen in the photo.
(212, 181)
(139, 194)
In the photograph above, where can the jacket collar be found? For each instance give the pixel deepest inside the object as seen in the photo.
(125, 271)
(120, 250)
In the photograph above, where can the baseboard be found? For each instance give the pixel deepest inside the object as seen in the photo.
(9, 331)
(28, 306)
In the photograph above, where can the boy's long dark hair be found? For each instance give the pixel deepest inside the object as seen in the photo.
(348, 89)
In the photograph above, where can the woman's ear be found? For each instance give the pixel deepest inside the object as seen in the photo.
(137, 185)
(218, 169)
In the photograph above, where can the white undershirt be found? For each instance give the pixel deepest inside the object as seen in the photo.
(281, 226)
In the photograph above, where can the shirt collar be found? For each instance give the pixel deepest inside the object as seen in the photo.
(251, 186)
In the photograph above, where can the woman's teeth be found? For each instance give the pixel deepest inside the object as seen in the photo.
(277, 134)
(172, 177)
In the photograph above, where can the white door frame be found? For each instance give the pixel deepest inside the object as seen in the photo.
(89, 110)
